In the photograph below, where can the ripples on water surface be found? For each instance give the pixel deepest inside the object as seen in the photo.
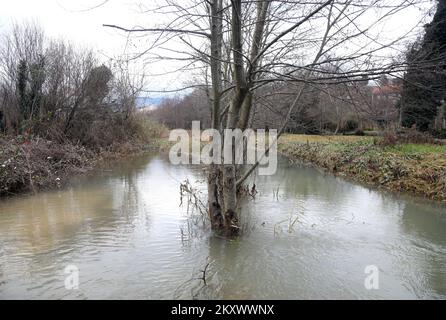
(123, 228)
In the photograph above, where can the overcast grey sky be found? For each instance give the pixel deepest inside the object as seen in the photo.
(81, 23)
(68, 18)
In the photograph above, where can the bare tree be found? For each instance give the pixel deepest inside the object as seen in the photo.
(244, 46)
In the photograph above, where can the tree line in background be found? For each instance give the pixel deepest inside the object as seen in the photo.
(424, 91)
(340, 108)
(51, 89)
(415, 99)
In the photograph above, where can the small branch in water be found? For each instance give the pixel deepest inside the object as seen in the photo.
(245, 190)
(188, 284)
(276, 194)
(203, 277)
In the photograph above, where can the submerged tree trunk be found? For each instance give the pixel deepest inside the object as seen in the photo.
(277, 52)
(241, 90)
(222, 181)
(215, 210)
(215, 203)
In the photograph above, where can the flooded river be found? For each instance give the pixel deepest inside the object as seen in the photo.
(306, 235)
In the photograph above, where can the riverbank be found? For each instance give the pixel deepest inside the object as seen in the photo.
(419, 169)
(31, 163)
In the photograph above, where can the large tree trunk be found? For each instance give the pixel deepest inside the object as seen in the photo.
(230, 170)
(262, 11)
(215, 202)
(222, 185)
(215, 210)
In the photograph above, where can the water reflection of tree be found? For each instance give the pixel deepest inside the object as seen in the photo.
(294, 180)
(226, 270)
(50, 229)
(128, 200)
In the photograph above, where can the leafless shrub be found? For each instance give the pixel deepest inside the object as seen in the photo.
(52, 89)
(392, 137)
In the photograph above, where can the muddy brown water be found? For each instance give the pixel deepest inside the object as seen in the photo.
(306, 235)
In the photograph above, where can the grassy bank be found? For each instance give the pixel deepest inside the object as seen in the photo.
(419, 169)
(31, 163)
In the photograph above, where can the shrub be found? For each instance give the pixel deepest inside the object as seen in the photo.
(391, 138)
(350, 125)
(439, 134)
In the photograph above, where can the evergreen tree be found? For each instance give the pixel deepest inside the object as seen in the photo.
(425, 81)
(22, 82)
(37, 78)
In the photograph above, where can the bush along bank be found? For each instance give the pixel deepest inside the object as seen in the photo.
(419, 169)
(62, 109)
(32, 163)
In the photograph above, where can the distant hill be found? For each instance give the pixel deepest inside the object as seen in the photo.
(142, 102)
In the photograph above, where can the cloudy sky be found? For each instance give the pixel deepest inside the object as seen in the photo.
(74, 20)
(81, 22)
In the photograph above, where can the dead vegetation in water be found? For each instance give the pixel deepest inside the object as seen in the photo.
(194, 200)
(197, 222)
(419, 169)
(199, 286)
(193, 197)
